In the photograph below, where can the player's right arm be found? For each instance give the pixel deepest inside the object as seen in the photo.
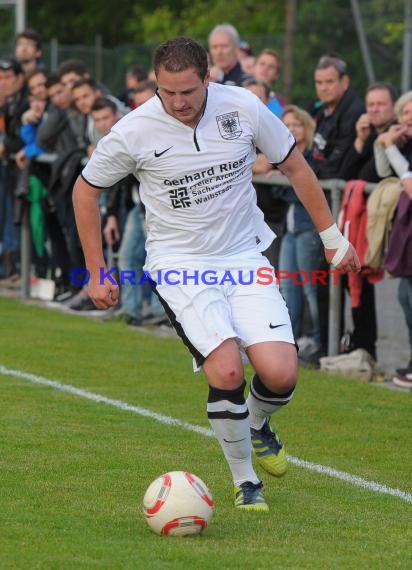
(103, 292)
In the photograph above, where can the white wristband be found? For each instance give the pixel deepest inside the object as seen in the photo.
(333, 239)
(406, 175)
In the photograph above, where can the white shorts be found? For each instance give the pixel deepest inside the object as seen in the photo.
(209, 301)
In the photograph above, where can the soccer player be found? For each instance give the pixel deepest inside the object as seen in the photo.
(192, 148)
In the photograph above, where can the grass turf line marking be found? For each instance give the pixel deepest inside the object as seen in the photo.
(168, 420)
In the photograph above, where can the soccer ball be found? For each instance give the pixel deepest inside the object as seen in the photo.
(178, 503)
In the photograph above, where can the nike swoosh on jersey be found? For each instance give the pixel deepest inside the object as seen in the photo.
(157, 154)
(275, 326)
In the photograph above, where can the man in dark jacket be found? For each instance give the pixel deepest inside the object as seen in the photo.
(224, 51)
(335, 118)
(359, 162)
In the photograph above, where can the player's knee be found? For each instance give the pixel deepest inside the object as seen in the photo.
(224, 368)
(230, 377)
(225, 377)
(281, 380)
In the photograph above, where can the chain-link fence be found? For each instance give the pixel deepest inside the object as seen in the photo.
(106, 65)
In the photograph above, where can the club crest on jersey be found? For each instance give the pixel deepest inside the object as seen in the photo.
(229, 125)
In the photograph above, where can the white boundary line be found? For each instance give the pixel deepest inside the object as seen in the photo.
(322, 469)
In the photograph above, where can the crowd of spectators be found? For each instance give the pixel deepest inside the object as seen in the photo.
(63, 115)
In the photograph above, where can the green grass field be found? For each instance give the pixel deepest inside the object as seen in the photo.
(74, 470)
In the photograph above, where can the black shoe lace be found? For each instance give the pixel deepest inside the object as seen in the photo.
(249, 490)
(270, 438)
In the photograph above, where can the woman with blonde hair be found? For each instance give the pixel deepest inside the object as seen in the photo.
(301, 248)
(393, 148)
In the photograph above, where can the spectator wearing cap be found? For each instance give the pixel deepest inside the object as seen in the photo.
(12, 86)
(224, 46)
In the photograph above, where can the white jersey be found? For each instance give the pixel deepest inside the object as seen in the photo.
(196, 184)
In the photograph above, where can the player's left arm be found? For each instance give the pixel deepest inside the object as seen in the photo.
(338, 250)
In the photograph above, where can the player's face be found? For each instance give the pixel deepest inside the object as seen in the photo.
(183, 94)
(379, 107)
(330, 87)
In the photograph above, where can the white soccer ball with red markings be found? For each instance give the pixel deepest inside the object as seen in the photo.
(178, 503)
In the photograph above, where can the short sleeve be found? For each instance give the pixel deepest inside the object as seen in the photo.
(273, 137)
(110, 162)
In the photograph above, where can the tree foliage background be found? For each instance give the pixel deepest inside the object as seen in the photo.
(320, 26)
